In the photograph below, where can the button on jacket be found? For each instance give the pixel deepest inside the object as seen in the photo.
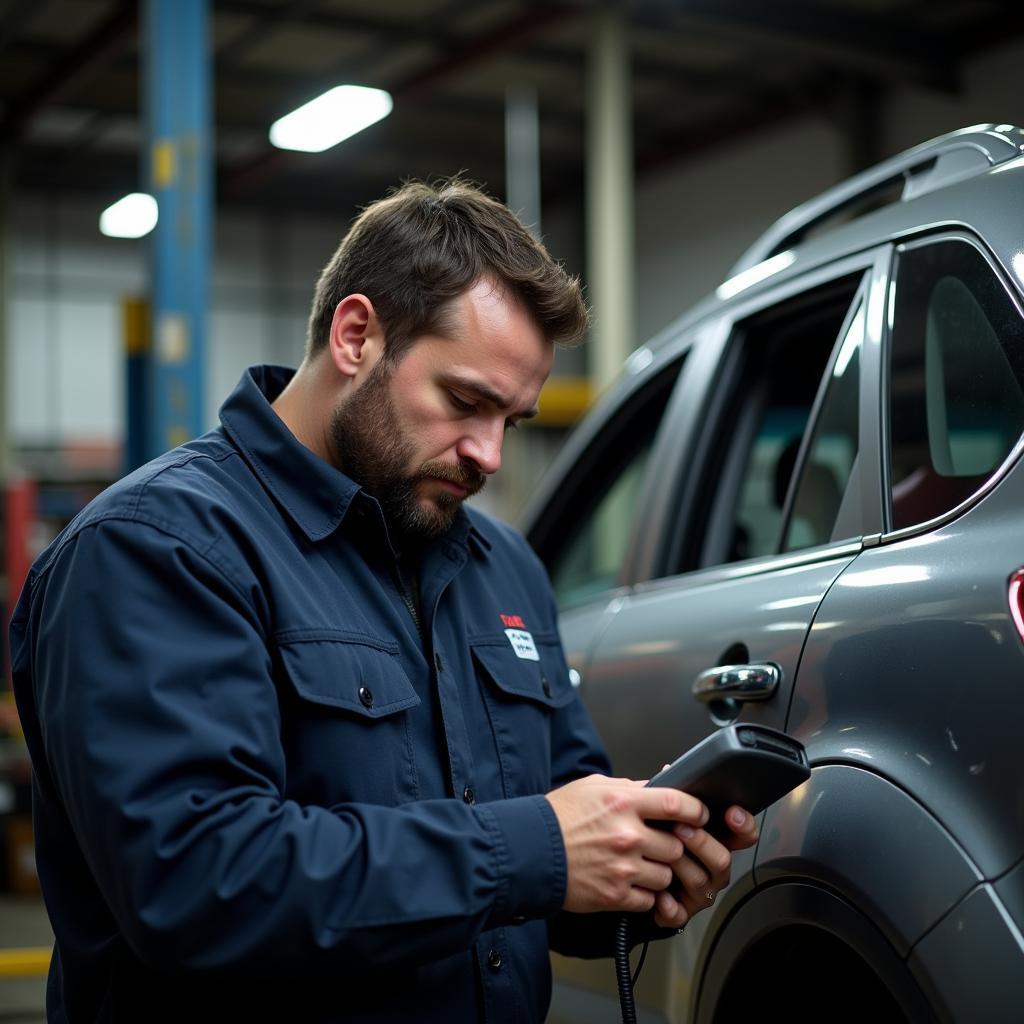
(263, 790)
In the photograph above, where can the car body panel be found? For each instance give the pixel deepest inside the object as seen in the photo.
(970, 963)
(1010, 890)
(913, 670)
(640, 677)
(835, 829)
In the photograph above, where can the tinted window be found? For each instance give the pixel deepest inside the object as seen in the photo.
(833, 449)
(780, 358)
(598, 506)
(956, 375)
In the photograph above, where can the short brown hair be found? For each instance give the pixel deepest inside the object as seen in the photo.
(414, 251)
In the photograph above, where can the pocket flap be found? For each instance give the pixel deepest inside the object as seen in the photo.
(545, 680)
(352, 676)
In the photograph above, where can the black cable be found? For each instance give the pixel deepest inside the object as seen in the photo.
(626, 982)
(640, 964)
(622, 972)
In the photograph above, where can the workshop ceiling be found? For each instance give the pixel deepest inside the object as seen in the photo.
(704, 71)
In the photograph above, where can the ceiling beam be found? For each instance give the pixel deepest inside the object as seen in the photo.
(885, 48)
(14, 19)
(266, 20)
(74, 67)
(394, 32)
(467, 53)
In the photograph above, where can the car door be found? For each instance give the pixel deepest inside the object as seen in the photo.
(759, 492)
(771, 508)
(588, 508)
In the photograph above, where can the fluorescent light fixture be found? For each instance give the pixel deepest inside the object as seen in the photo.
(131, 217)
(325, 121)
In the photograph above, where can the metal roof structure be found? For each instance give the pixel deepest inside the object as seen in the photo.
(704, 72)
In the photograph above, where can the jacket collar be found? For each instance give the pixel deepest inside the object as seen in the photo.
(315, 495)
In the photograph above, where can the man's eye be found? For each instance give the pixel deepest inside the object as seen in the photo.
(511, 425)
(459, 403)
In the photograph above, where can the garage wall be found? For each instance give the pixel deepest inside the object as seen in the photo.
(65, 322)
(693, 222)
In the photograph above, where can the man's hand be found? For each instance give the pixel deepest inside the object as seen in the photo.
(616, 861)
(703, 871)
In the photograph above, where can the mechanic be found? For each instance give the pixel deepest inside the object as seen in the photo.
(304, 741)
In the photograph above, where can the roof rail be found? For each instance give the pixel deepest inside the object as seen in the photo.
(960, 154)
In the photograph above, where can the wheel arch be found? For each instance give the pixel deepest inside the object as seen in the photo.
(853, 856)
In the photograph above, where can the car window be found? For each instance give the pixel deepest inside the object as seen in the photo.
(598, 516)
(833, 449)
(779, 359)
(956, 379)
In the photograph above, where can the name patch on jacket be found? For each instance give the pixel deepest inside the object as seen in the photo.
(522, 643)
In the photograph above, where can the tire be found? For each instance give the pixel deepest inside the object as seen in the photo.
(803, 955)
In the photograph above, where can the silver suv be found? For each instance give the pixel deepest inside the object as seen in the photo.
(803, 505)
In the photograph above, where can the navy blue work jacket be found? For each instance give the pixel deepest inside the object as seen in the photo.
(262, 792)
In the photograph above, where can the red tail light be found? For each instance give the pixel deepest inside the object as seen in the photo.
(1016, 598)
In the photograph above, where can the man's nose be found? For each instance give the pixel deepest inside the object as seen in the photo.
(482, 446)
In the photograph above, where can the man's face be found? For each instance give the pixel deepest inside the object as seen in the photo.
(424, 434)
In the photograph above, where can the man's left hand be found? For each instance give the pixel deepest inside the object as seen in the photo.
(703, 871)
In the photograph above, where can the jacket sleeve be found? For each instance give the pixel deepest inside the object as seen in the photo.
(160, 728)
(580, 753)
(576, 751)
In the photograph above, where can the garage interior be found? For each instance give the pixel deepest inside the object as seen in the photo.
(647, 142)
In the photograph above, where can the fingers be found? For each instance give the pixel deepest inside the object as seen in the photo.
(661, 845)
(702, 874)
(653, 876)
(668, 912)
(711, 855)
(744, 829)
(660, 803)
(695, 879)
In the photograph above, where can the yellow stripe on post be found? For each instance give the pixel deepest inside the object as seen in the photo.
(9, 720)
(165, 163)
(25, 963)
(563, 400)
(136, 319)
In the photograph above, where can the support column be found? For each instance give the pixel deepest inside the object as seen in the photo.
(136, 324)
(522, 155)
(6, 205)
(860, 120)
(609, 195)
(179, 172)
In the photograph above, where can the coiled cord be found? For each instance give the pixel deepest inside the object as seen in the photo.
(625, 980)
(622, 974)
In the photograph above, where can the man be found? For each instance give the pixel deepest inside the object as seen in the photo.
(291, 760)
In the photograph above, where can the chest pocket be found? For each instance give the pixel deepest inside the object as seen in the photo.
(345, 720)
(522, 696)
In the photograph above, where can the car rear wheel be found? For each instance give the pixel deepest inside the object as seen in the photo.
(801, 954)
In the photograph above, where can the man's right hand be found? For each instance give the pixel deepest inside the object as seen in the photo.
(616, 861)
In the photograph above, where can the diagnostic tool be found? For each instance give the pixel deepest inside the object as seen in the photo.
(750, 765)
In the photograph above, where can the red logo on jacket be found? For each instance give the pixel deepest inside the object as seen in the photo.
(513, 621)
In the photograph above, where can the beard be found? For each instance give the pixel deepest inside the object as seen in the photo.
(369, 445)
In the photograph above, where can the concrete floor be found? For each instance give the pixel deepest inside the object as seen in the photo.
(23, 923)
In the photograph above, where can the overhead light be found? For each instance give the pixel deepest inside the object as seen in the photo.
(131, 217)
(325, 121)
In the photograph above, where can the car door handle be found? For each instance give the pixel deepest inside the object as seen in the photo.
(738, 682)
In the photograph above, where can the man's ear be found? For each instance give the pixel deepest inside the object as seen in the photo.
(357, 339)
